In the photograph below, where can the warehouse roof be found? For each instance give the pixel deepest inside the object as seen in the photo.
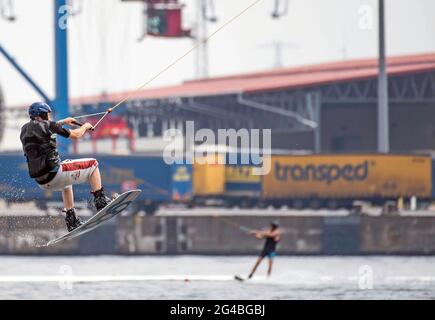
(285, 78)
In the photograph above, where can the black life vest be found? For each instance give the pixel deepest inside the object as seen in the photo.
(39, 146)
(270, 244)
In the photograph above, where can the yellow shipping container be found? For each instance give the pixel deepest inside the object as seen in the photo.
(241, 174)
(208, 178)
(348, 176)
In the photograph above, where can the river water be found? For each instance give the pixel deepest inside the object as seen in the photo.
(205, 277)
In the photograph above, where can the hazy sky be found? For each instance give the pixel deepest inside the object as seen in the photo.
(106, 56)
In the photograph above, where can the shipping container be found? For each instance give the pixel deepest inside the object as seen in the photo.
(242, 187)
(352, 177)
(208, 178)
(226, 179)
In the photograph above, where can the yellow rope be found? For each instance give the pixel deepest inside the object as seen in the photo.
(234, 224)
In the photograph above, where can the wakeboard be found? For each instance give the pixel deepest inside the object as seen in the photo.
(239, 278)
(111, 210)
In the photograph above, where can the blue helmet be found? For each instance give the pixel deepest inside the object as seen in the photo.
(38, 108)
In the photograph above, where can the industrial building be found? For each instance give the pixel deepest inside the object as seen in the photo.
(340, 97)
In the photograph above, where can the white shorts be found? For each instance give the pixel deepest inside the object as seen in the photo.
(71, 172)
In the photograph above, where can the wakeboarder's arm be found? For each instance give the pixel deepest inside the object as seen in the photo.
(257, 233)
(276, 235)
(79, 132)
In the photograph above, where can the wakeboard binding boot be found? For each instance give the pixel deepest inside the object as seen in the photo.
(100, 199)
(72, 221)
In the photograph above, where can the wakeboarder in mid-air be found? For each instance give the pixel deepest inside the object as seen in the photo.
(38, 137)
